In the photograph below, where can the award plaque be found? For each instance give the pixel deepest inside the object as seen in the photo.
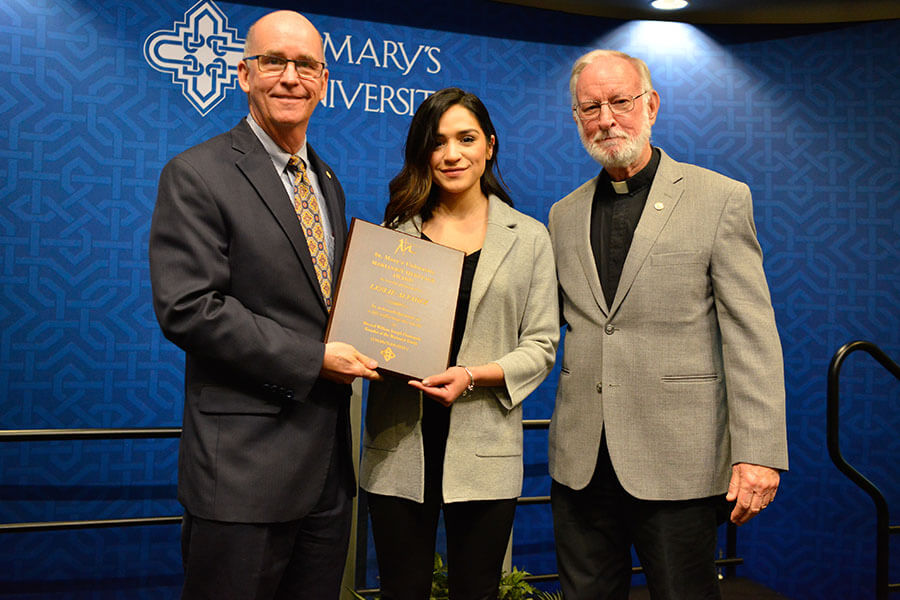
(395, 300)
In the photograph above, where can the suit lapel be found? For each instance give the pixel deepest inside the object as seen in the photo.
(257, 167)
(665, 192)
(499, 239)
(412, 226)
(580, 222)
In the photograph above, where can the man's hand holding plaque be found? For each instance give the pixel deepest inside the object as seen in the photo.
(344, 363)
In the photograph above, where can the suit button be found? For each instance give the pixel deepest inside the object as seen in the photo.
(609, 329)
(599, 387)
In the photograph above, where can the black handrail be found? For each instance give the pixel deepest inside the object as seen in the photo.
(46, 435)
(883, 528)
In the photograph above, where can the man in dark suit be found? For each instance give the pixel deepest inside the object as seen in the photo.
(248, 231)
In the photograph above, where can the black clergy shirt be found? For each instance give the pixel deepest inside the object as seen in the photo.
(614, 217)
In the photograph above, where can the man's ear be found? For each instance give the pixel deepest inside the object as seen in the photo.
(243, 76)
(654, 106)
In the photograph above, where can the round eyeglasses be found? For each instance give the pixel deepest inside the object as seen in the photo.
(618, 106)
(307, 68)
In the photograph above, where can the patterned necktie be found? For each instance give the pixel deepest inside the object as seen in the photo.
(307, 208)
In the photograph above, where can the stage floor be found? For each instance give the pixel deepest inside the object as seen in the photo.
(735, 588)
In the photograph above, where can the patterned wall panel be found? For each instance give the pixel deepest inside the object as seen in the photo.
(92, 107)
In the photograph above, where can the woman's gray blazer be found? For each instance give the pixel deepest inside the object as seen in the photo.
(513, 320)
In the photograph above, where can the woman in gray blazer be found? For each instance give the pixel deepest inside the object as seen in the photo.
(454, 439)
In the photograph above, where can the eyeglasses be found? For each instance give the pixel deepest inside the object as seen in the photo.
(618, 106)
(307, 68)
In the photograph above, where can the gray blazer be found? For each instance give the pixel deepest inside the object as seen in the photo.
(684, 370)
(513, 321)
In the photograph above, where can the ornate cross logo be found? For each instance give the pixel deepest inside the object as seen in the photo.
(201, 53)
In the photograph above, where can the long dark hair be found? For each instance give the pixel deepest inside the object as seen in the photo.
(411, 191)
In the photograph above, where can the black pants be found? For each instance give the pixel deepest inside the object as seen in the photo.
(596, 527)
(405, 532)
(272, 561)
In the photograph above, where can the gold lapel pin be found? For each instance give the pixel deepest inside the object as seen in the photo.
(659, 206)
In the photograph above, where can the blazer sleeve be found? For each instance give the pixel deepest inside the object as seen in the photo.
(526, 366)
(751, 349)
(194, 284)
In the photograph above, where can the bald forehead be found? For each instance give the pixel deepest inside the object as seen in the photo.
(277, 27)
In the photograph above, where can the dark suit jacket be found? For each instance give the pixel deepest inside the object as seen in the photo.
(234, 287)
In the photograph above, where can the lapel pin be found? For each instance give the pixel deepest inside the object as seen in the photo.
(328, 173)
(659, 206)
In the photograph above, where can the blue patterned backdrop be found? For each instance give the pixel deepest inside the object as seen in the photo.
(91, 110)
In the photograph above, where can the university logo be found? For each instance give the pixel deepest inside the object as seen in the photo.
(201, 53)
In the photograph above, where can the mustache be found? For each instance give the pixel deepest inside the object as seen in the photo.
(601, 136)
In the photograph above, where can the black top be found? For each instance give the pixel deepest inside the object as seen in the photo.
(436, 416)
(470, 263)
(462, 303)
(614, 217)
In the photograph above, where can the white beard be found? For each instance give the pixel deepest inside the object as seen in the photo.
(624, 155)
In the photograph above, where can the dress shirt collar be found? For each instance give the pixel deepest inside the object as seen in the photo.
(276, 153)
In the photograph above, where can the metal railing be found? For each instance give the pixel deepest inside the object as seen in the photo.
(729, 562)
(883, 528)
(46, 435)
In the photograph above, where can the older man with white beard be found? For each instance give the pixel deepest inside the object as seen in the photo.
(670, 407)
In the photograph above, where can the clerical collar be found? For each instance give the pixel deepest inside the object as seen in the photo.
(640, 180)
(620, 187)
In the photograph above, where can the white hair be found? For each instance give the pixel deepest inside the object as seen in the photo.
(586, 59)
